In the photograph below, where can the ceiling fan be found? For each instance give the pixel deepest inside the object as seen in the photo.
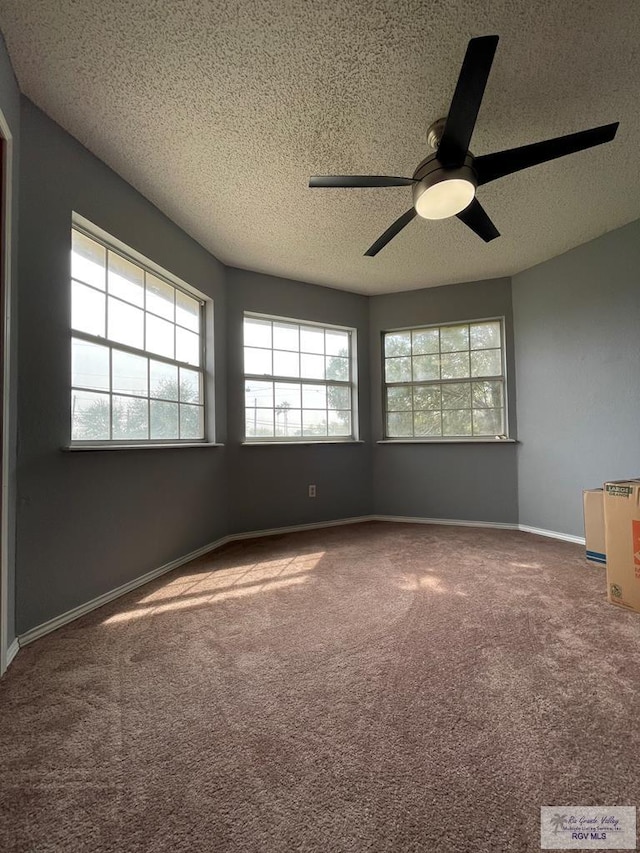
(444, 183)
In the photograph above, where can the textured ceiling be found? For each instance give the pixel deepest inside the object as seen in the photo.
(219, 112)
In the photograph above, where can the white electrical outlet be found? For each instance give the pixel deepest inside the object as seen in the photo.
(312, 490)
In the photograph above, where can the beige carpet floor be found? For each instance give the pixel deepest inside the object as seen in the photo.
(375, 687)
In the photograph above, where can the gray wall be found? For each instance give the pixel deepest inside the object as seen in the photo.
(88, 522)
(577, 333)
(473, 482)
(268, 486)
(10, 106)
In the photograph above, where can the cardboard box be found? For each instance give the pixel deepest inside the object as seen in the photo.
(622, 542)
(594, 525)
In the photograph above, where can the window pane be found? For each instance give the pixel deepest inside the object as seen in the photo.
(456, 396)
(487, 395)
(339, 423)
(190, 391)
(87, 310)
(286, 363)
(164, 419)
(89, 365)
(300, 353)
(257, 333)
(337, 368)
(164, 380)
(456, 423)
(397, 343)
(126, 280)
(426, 341)
(398, 369)
(187, 346)
(337, 343)
(125, 323)
(258, 361)
(439, 390)
(259, 423)
(312, 366)
(454, 365)
(116, 298)
(338, 397)
(287, 395)
(87, 260)
(454, 338)
(486, 362)
(258, 394)
(487, 422)
(191, 422)
(427, 423)
(485, 335)
(311, 339)
(160, 336)
(314, 422)
(129, 373)
(288, 422)
(314, 397)
(129, 418)
(399, 424)
(89, 416)
(285, 336)
(426, 367)
(399, 398)
(187, 311)
(160, 297)
(427, 398)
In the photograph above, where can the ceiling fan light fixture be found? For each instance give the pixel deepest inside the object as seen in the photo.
(439, 195)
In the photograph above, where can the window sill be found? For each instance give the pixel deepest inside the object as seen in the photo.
(294, 443)
(448, 441)
(74, 448)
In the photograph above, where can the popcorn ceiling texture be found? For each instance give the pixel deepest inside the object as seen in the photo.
(219, 112)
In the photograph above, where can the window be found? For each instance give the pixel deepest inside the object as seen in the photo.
(299, 382)
(445, 381)
(137, 349)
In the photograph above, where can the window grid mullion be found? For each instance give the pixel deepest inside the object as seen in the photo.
(93, 339)
(300, 380)
(428, 382)
(149, 398)
(468, 380)
(138, 263)
(116, 346)
(110, 394)
(264, 377)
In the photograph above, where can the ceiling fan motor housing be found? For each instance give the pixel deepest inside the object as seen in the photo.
(431, 173)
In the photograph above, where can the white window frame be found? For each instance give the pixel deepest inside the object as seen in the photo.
(502, 378)
(350, 383)
(89, 229)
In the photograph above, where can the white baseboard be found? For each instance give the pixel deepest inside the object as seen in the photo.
(12, 651)
(552, 534)
(499, 525)
(296, 528)
(455, 522)
(105, 598)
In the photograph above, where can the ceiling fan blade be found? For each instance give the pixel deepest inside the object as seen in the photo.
(391, 232)
(476, 218)
(359, 181)
(490, 167)
(466, 101)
